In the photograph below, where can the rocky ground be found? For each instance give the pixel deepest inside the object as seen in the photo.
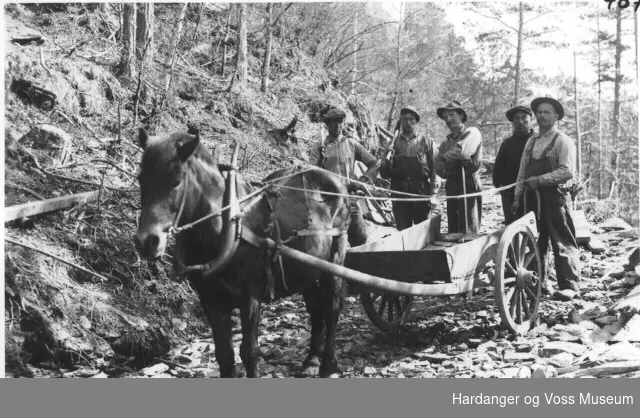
(598, 336)
(112, 315)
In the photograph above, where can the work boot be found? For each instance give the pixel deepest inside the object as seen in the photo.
(547, 288)
(565, 295)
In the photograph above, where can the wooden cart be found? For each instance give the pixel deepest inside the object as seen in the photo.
(425, 262)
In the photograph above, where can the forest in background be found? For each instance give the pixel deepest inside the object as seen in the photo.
(389, 56)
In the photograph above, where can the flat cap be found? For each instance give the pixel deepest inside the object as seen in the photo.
(334, 114)
(522, 108)
(411, 109)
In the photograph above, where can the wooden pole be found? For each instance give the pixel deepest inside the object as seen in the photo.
(49, 205)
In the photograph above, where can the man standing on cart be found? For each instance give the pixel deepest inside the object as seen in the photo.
(410, 169)
(338, 154)
(505, 171)
(459, 160)
(547, 164)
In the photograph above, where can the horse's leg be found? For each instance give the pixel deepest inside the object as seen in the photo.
(219, 315)
(333, 293)
(249, 349)
(313, 301)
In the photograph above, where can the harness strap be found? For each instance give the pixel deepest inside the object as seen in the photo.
(333, 232)
(182, 204)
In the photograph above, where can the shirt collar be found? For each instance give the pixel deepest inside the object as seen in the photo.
(328, 141)
(462, 128)
(551, 131)
(413, 135)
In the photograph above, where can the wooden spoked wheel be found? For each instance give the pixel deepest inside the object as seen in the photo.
(518, 278)
(387, 311)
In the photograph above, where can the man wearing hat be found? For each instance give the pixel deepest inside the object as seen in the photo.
(410, 170)
(459, 160)
(338, 154)
(505, 171)
(547, 163)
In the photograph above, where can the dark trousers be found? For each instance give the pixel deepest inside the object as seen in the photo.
(508, 196)
(455, 207)
(357, 232)
(408, 214)
(555, 223)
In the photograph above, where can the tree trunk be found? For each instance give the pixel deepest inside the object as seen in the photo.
(127, 60)
(241, 55)
(600, 168)
(225, 49)
(266, 65)
(167, 70)
(399, 74)
(575, 92)
(354, 73)
(635, 33)
(519, 53)
(144, 45)
(615, 129)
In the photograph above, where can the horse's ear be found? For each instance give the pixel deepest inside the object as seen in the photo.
(187, 145)
(142, 138)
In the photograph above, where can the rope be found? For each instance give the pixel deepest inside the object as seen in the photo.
(411, 199)
(249, 196)
(421, 197)
(219, 212)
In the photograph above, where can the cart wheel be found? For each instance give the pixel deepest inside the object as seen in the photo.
(518, 276)
(386, 310)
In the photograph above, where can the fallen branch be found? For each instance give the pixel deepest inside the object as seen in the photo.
(69, 263)
(47, 205)
(26, 190)
(89, 183)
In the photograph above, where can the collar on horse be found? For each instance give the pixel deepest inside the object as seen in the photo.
(232, 214)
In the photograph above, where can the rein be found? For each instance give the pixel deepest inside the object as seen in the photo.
(242, 232)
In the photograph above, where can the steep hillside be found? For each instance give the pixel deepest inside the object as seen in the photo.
(128, 312)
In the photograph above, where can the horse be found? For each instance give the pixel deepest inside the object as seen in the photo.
(221, 223)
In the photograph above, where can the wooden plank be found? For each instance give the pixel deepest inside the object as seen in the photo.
(425, 265)
(472, 256)
(458, 237)
(48, 205)
(583, 231)
(415, 238)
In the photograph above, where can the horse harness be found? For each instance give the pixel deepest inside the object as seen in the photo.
(273, 229)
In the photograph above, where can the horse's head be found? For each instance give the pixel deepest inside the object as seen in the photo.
(168, 171)
(180, 182)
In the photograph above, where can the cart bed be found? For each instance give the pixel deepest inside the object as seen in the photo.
(422, 254)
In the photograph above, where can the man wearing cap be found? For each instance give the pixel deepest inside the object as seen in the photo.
(547, 163)
(459, 160)
(338, 154)
(410, 170)
(505, 171)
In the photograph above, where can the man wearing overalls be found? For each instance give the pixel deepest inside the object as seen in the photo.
(337, 153)
(411, 171)
(547, 164)
(459, 160)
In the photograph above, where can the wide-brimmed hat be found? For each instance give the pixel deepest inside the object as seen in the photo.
(411, 109)
(334, 114)
(556, 104)
(453, 105)
(522, 108)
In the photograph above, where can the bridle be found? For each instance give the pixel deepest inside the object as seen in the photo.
(174, 227)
